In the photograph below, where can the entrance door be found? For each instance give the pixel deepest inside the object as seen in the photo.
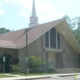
(51, 60)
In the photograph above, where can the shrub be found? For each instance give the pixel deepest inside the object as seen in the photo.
(15, 68)
(35, 63)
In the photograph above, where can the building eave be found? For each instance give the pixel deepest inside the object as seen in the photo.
(65, 30)
(10, 47)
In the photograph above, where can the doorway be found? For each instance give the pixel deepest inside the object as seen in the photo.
(7, 63)
(52, 64)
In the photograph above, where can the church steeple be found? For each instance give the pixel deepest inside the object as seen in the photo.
(33, 18)
(33, 9)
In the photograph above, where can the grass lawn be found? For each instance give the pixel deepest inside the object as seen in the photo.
(34, 74)
(1, 76)
(23, 74)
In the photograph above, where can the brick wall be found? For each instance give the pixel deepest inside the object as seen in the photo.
(70, 56)
(34, 49)
(12, 52)
(59, 60)
(68, 59)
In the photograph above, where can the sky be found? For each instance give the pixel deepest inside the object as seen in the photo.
(14, 14)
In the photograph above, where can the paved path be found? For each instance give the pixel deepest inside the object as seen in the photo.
(65, 78)
(43, 77)
(57, 79)
(25, 77)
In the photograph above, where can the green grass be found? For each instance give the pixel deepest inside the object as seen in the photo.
(23, 74)
(1, 76)
(34, 74)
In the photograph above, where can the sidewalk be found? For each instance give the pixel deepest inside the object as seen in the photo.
(54, 76)
(25, 77)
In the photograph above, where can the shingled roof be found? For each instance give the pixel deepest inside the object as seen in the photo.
(17, 39)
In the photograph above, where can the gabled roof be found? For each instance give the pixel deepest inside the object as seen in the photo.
(17, 39)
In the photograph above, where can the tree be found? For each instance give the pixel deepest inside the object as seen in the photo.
(35, 63)
(77, 32)
(74, 24)
(4, 30)
(71, 22)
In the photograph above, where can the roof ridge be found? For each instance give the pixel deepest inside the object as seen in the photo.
(51, 21)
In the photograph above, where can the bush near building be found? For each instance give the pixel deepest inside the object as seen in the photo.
(35, 63)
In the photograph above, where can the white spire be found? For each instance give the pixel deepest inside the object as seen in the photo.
(33, 18)
(33, 9)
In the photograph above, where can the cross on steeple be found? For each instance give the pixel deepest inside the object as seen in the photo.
(33, 18)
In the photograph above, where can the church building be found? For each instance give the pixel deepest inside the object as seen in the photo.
(53, 41)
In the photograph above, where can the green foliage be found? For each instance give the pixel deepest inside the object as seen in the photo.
(77, 35)
(15, 68)
(35, 63)
(74, 25)
(71, 21)
(4, 30)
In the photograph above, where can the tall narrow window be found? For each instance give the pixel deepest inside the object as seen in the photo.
(58, 40)
(47, 39)
(53, 38)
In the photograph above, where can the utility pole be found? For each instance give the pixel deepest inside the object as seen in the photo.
(26, 31)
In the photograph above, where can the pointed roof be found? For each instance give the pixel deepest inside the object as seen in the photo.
(33, 18)
(18, 38)
(33, 9)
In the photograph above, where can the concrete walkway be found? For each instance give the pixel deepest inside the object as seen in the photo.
(25, 77)
(54, 76)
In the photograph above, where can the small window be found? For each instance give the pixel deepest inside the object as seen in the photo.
(47, 39)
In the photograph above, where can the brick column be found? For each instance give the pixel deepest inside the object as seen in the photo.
(22, 59)
(46, 66)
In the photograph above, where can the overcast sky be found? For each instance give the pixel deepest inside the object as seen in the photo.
(14, 14)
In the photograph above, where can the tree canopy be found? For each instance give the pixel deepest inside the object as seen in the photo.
(71, 21)
(4, 30)
(74, 24)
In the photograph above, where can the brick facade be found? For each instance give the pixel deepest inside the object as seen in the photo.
(12, 52)
(34, 49)
(68, 58)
